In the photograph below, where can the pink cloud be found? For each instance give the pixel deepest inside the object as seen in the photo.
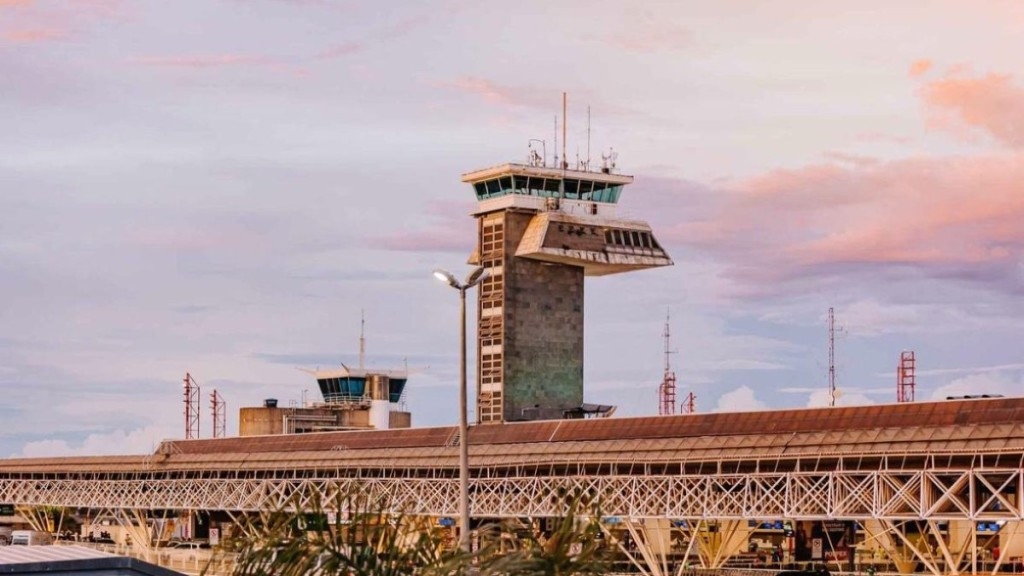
(504, 96)
(452, 230)
(882, 137)
(851, 159)
(389, 31)
(919, 68)
(29, 22)
(645, 31)
(220, 61)
(340, 50)
(436, 240)
(948, 219)
(31, 35)
(653, 40)
(993, 104)
(953, 218)
(200, 61)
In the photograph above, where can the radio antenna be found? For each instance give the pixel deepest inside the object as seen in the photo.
(831, 357)
(587, 165)
(362, 339)
(565, 163)
(556, 140)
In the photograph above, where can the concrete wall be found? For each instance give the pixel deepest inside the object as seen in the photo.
(261, 421)
(543, 339)
(401, 419)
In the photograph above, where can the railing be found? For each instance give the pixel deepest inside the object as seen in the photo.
(200, 560)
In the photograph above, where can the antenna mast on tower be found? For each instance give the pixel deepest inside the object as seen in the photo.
(905, 377)
(667, 390)
(219, 408)
(565, 161)
(191, 408)
(362, 339)
(587, 165)
(831, 357)
(555, 151)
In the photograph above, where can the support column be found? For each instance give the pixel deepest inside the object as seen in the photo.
(881, 531)
(34, 515)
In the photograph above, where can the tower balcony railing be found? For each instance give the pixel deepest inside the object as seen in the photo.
(545, 204)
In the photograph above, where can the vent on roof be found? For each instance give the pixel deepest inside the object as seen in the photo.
(974, 396)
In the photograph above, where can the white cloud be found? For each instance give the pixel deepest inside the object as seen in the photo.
(139, 441)
(741, 399)
(981, 383)
(820, 399)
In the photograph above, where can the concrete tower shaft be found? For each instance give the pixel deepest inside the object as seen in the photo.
(540, 232)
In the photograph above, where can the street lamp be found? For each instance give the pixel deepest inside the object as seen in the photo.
(475, 277)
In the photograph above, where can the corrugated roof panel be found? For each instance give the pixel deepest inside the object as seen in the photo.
(669, 438)
(716, 424)
(39, 554)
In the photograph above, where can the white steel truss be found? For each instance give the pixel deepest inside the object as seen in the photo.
(940, 494)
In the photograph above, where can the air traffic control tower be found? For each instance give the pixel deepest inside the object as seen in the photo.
(540, 231)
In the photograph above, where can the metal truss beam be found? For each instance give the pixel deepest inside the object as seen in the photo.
(972, 494)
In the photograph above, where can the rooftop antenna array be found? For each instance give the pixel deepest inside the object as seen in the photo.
(191, 407)
(667, 389)
(534, 158)
(906, 380)
(608, 161)
(219, 409)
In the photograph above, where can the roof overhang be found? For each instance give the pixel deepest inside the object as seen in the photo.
(543, 172)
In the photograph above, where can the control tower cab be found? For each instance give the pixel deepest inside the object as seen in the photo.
(540, 231)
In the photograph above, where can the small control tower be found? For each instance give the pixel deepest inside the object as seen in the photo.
(540, 231)
(354, 399)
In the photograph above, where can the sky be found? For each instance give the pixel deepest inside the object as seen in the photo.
(221, 187)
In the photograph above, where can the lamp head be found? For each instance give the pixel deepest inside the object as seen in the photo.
(447, 277)
(477, 276)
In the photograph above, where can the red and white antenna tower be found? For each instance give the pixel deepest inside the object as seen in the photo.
(831, 357)
(667, 389)
(689, 404)
(905, 378)
(219, 408)
(191, 408)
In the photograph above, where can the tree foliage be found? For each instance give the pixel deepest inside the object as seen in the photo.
(356, 534)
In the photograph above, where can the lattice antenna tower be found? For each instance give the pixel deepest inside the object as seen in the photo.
(906, 380)
(191, 407)
(831, 357)
(689, 405)
(667, 390)
(219, 408)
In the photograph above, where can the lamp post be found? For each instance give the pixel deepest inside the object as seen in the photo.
(474, 278)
